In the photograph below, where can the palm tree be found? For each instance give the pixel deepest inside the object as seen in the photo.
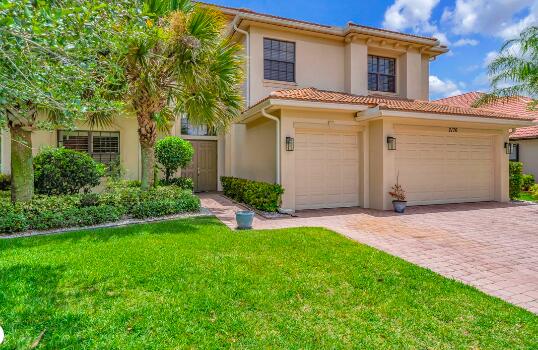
(515, 71)
(177, 61)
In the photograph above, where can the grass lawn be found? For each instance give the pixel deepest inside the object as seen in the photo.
(526, 196)
(195, 284)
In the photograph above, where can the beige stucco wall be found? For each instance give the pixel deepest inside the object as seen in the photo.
(129, 147)
(330, 63)
(528, 155)
(254, 151)
(319, 62)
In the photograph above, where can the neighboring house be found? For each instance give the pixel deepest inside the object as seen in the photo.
(337, 115)
(525, 147)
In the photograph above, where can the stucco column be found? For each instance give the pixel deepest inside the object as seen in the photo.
(390, 171)
(5, 152)
(411, 75)
(287, 161)
(502, 177)
(356, 67)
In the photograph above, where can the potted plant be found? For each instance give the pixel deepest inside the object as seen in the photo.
(244, 219)
(398, 203)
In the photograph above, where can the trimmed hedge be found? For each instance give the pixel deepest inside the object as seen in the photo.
(260, 195)
(185, 183)
(516, 179)
(527, 182)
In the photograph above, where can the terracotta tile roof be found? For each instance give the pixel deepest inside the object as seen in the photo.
(517, 105)
(350, 24)
(530, 132)
(387, 103)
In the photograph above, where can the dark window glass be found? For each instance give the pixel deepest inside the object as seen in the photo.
(514, 156)
(278, 60)
(381, 74)
(194, 130)
(103, 146)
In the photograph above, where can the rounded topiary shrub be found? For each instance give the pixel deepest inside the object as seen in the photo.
(64, 171)
(173, 153)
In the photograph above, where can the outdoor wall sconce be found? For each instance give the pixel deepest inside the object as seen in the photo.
(290, 143)
(508, 147)
(391, 143)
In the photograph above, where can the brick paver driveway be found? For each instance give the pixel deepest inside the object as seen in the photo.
(492, 246)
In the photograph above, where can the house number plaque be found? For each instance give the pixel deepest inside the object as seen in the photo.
(452, 129)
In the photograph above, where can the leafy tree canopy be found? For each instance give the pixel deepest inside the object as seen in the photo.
(53, 58)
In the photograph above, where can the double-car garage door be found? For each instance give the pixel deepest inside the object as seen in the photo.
(432, 168)
(443, 168)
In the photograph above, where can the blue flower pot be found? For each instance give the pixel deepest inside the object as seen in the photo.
(244, 219)
(399, 206)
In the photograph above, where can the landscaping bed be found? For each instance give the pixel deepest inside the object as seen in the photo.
(119, 201)
(194, 283)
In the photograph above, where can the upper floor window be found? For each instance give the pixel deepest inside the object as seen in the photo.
(278, 60)
(103, 146)
(381, 74)
(194, 130)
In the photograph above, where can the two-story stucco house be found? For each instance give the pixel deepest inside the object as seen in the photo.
(336, 115)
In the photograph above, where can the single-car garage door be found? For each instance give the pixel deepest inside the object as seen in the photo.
(326, 169)
(445, 168)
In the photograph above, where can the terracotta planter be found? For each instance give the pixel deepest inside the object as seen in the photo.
(399, 206)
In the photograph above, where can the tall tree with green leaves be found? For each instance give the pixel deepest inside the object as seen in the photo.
(515, 70)
(176, 60)
(53, 72)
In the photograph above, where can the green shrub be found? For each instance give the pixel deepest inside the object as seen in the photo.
(134, 200)
(185, 183)
(527, 182)
(64, 171)
(89, 200)
(162, 207)
(260, 195)
(115, 170)
(172, 153)
(13, 222)
(516, 179)
(5, 182)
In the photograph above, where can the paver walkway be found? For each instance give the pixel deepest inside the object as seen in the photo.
(492, 246)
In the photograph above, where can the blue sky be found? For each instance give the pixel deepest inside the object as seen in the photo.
(474, 30)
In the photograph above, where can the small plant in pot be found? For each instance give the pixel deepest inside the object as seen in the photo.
(398, 203)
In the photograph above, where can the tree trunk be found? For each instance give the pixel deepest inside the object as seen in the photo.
(22, 168)
(147, 133)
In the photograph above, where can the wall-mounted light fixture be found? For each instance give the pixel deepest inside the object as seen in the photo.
(290, 143)
(508, 147)
(391, 143)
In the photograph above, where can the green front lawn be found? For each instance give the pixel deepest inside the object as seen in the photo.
(195, 284)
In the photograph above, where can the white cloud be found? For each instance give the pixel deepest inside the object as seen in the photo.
(463, 42)
(501, 18)
(410, 14)
(442, 38)
(443, 88)
(490, 56)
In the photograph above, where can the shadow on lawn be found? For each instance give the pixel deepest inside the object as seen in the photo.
(30, 302)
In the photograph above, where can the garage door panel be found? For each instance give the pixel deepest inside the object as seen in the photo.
(331, 176)
(445, 169)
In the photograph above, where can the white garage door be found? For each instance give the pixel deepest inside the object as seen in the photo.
(445, 168)
(327, 170)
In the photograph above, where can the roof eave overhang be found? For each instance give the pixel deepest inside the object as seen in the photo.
(276, 103)
(376, 113)
(524, 138)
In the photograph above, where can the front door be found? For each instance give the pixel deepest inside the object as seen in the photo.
(203, 168)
